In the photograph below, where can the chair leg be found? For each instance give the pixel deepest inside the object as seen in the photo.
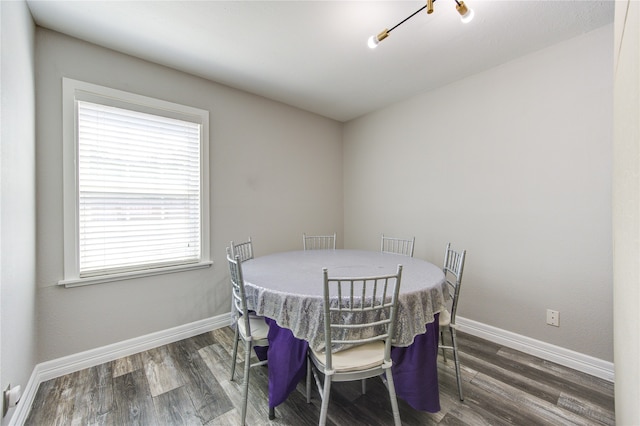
(364, 386)
(326, 391)
(444, 352)
(393, 398)
(308, 381)
(456, 361)
(235, 353)
(245, 389)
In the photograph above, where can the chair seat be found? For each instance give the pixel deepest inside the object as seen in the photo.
(445, 318)
(361, 357)
(259, 328)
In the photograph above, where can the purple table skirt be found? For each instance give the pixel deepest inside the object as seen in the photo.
(415, 370)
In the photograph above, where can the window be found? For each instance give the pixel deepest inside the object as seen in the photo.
(136, 185)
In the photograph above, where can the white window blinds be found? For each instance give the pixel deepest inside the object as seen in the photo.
(139, 180)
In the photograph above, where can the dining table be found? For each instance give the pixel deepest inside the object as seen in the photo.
(287, 289)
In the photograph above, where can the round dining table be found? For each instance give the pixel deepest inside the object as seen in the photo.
(287, 289)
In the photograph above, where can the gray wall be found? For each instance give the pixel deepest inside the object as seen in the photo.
(269, 181)
(18, 198)
(514, 165)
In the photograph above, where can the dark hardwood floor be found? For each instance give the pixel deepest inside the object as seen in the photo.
(187, 383)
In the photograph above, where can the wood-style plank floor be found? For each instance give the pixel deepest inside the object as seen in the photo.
(187, 383)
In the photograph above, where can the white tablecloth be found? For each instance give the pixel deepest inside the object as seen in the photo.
(288, 287)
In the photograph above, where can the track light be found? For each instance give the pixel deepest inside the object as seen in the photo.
(466, 15)
(374, 40)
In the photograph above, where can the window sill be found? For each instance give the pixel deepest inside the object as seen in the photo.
(77, 282)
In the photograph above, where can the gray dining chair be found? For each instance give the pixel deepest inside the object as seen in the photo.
(244, 250)
(251, 329)
(453, 269)
(397, 245)
(319, 242)
(359, 315)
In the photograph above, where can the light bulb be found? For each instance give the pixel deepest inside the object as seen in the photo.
(373, 42)
(467, 17)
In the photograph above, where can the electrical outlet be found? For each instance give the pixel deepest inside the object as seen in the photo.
(553, 317)
(10, 398)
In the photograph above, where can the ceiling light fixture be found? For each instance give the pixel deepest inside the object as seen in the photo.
(466, 15)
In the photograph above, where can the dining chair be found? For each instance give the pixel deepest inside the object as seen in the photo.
(319, 242)
(453, 269)
(397, 245)
(359, 316)
(244, 250)
(251, 329)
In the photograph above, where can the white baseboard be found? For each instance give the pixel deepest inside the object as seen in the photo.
(59, 367)
(566, 357)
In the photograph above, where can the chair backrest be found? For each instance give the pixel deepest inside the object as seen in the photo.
(397, 245)
(238, 295)
(359, 310)
(244, 250)
(453, 269)
(318, 242)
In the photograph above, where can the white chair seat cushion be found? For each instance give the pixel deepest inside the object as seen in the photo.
(361, 357)
(445, 318)
(259, 328)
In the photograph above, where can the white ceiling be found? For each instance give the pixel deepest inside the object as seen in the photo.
(313, 54)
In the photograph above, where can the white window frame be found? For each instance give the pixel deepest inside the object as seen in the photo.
(73, 91)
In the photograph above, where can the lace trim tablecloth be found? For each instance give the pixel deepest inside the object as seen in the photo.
(287, 287)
